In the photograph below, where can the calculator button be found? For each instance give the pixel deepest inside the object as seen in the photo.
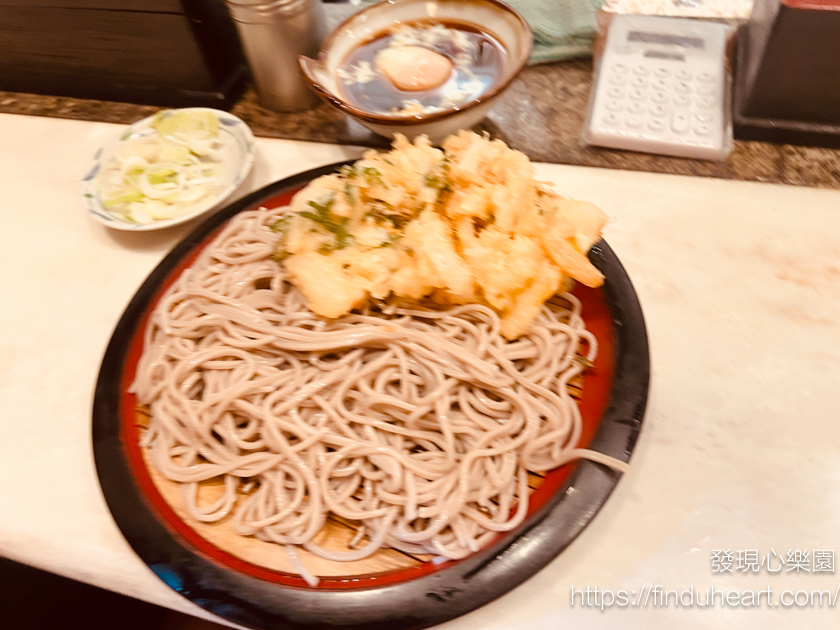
(610, 119)
(702, 129)
(615, 92)
(705, 101)
(638, 82)
(614, 105)
(661, 73)
(656, 125)
(620, 68)
(641, 71)
(703, 117)
(681, 100)
(658, 110)
(637, 95)
(617, 79)
(682, 87)
(659, 97)
(684, 75)
(705, 77)
(633, 121)
(705, 89)
(661, 84)
(679, 123)
(635, 108)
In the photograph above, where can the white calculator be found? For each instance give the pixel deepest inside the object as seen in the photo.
(661, 88)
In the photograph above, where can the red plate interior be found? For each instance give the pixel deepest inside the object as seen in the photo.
(597, 385)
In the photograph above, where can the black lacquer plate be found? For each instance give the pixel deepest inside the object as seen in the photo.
(612, 408)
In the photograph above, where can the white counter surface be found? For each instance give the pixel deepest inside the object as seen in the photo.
(740, 449)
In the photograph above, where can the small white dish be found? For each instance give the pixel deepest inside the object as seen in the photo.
(236, 161)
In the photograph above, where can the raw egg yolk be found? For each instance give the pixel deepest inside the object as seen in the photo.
(414, 68)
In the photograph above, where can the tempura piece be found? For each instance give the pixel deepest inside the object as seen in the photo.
(466, 224)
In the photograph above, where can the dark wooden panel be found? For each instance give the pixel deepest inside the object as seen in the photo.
(216, 35)
(797, 71)
(160, 6)
(43, 47)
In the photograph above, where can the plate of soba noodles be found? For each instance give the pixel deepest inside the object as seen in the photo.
(377, 394)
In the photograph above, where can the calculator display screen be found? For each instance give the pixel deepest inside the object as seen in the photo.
(658, 54)
(663, 38)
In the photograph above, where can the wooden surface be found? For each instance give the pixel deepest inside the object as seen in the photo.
(163, 6)
(62, 46)
(164, 52)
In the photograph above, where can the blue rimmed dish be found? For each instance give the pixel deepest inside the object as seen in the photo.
(236, 160)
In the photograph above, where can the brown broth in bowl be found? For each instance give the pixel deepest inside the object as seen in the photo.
(477, 59)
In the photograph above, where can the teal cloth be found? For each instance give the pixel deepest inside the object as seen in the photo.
(563, 29)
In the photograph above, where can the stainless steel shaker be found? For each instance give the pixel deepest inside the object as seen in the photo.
(273, 34)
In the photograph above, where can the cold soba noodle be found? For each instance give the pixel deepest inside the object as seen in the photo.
(419, 424)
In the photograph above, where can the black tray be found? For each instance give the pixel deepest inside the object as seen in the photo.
(426, 600)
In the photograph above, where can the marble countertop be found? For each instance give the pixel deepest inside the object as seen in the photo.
(740, 448)
(541, 114)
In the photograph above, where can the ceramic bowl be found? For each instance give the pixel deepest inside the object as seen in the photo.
(236, 161)
(492, 16)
